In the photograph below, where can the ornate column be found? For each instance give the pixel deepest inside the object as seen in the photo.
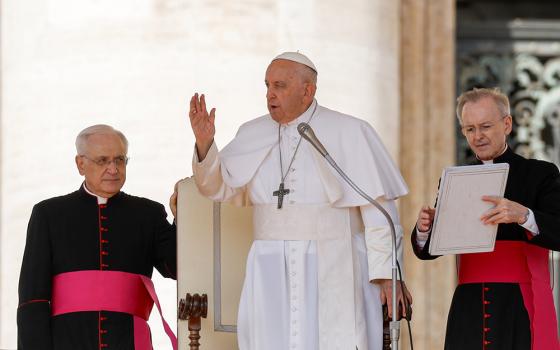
(427, 144)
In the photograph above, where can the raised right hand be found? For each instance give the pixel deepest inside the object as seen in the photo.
(202, 124)
(425, 218)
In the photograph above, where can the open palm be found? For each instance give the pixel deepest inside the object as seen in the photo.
(202, 123)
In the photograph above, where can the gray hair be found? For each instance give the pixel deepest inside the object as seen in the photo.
(307, 74)
(81, 139)
(475, 95)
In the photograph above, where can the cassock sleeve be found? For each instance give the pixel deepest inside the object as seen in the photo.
(547, 209)
(165, 245)
(34, 310)
(208, 178)
(422, 252)
(379, 240)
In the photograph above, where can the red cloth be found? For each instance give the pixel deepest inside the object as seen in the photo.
(95, 290)
(526, 264)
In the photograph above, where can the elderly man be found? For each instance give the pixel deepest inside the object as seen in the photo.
(504, 300)
(85, 277)
(314, 280)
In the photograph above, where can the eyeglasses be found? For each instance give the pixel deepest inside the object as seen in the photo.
(120, 161)
(483, 128)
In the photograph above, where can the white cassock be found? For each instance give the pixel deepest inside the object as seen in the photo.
(307, 283)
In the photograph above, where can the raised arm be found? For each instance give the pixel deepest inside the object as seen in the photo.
(206, 161)
(202, 125)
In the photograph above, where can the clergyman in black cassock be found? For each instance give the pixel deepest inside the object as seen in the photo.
(90, 252)
(504, 300)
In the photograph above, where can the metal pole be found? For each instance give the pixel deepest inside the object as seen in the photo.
(394, 325)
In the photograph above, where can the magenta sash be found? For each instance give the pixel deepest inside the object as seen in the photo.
(539, 302)
(117, 291)
(526, 264)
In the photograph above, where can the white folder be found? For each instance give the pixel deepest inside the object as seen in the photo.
(457, 228)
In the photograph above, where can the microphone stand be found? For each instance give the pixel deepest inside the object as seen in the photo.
(307, 133)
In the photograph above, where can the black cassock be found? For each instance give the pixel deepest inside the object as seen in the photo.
(493, 315)
(74, 233)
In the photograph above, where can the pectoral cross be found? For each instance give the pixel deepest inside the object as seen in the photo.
(280, 193)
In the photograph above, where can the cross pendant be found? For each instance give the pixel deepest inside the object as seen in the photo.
(280, 193)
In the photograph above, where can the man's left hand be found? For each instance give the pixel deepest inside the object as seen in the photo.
(504, 211)
(173, 200)
(387, 296)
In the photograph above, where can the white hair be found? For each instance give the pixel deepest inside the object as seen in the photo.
(81, 139)
(307, 74)
(500, 100)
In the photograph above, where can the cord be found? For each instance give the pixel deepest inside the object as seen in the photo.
(407, 306)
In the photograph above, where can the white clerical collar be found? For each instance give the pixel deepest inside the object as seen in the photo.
(305, 116)
(100, 200)
(491, 161)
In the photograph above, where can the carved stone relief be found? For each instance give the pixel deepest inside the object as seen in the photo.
(532, 82)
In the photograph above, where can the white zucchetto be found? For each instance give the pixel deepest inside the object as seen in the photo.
(296, 57)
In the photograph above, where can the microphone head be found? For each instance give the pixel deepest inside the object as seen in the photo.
(307, 133)
(303, 128)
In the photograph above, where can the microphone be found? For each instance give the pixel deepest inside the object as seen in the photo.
(307, 133)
